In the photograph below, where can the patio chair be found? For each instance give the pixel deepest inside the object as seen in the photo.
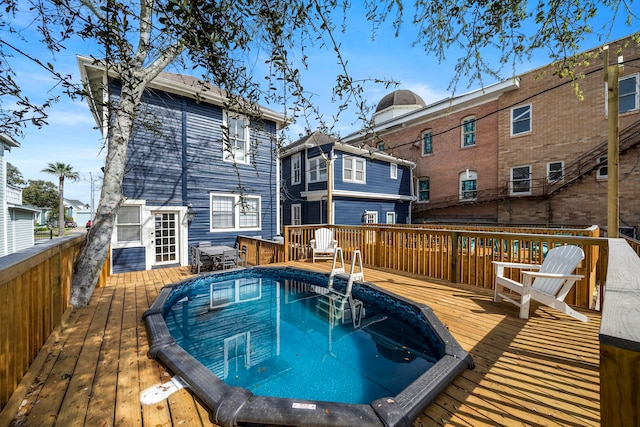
(229, 259)
(324, 245)
(242, 255)
(199, 261)
(549, 285)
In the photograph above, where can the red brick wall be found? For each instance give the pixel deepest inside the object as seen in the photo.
(564, 128)
(449, 158)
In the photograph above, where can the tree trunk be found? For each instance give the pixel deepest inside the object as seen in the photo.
(93, 253)
(61, 206)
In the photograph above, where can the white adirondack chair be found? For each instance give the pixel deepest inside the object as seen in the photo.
(324, 245)
(549, 285)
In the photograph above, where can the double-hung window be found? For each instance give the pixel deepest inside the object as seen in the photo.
(555, 171)
(231, 212)
(469, 132)
(628, 93)
(128, 225)
(468, 185)
(521, 120)
(603, 171)
(296, 169)
(423, 189)
(236, 144)
(317, 169)
(521, 180)
(427, 143)
(381, 146)
(354, 170)
(296, 214)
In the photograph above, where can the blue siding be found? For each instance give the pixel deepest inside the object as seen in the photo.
(378, 177)
(348, 210)
(180, 161)
(128, 259)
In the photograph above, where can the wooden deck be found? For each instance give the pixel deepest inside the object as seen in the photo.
(543, 371)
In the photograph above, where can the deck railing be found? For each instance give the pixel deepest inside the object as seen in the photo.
(35, 286)
(456, 255)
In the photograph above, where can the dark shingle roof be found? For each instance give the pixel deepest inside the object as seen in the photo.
(400, 97)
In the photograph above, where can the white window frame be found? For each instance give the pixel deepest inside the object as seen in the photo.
(122, 224)
(236, 212)
(526, 110)
(424, 178)
(354, 166)
(380, 146)
(512, 186)
(599, 174)
(393, 172)
(296, 169)
(390, 217)
(464, 132)
(230, 147)
(464, 177)
(296, 214)
(316, 169)
(635, 94)
(549, 172)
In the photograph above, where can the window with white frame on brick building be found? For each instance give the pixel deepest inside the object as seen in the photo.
(520, 180)
(468, 185)
(555, 171)
(521, 120)
(603, 170)
(423, 190)
(628, 93)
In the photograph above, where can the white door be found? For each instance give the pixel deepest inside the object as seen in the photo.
(166, 240)
(371, 217)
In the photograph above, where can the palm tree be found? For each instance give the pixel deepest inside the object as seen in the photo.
(62, 171)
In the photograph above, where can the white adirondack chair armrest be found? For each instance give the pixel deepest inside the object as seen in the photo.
(312, 242)
(552, 275)
(505, 264)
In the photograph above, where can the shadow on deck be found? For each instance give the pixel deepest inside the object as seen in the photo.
(540, 371)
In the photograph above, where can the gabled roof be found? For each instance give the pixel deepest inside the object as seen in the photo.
(93, 76)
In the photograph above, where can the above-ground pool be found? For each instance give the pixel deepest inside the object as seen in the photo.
(275, 346)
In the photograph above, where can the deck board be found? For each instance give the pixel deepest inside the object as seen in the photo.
(541, 371)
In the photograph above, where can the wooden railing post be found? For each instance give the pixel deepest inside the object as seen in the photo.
(620, 339)
(286, 244)
(455, 259)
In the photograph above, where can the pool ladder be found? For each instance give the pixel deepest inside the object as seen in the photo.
(335, 300)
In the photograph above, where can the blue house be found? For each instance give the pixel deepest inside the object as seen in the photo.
(187, 179)
(365, 185)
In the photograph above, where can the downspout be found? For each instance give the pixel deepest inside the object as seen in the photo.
(329, 161)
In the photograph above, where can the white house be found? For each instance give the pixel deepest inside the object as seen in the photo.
(16, 221)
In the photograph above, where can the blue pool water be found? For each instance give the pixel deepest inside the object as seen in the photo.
(280, 333)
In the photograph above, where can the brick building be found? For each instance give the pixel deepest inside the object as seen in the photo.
(523, 151)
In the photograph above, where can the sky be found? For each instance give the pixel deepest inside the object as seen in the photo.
(71, 136)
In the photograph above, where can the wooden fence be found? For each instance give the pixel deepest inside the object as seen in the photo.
(35, 289)
(456, 255)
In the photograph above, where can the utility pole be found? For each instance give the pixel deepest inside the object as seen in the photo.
(611, 75)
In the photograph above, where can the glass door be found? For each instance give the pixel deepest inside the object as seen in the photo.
(166, 238)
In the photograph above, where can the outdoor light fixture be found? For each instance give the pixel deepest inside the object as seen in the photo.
(191, 213)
